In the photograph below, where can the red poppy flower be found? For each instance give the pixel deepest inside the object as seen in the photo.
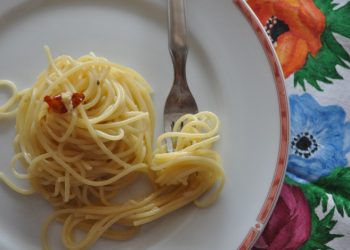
(294, 26)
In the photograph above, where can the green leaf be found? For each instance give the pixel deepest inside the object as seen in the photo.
(326, 225)
(322, 67)
(324, 203)
(338, 20)
(334, 46)
(339, 204)
(312, 245)
(337, 184)
(305, 76)
(314, 195)
(325, 6)
(320, 231)
(316, 245)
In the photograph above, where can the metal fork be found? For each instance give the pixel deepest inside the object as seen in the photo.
(180, 100)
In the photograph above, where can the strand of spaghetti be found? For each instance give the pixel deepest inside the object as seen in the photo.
(110, 137)
(50, 59)
(66, 187)
(15, 96)
(158, 202)
(127, 121)
(114, 97)
(63, 154)
(89, 182)
(163, 137)
(98, 142)
(120, 95)
(185, 160)
(166, 209)
(92, 88)
(70, 128)
(14, 160)
(213, 197)
(13, 186)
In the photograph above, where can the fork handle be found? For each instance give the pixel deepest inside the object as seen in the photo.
(178, 38)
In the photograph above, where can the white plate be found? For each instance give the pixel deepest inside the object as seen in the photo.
(228, 73)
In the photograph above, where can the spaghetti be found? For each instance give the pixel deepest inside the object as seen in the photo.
(84, 133)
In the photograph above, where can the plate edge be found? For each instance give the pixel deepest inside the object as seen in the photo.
(281, 165)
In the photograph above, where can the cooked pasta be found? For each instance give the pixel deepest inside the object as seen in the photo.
(84, 134)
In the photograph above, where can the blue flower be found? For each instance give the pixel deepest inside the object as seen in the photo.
(320, 138)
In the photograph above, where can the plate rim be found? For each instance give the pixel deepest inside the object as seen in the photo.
(271, 198)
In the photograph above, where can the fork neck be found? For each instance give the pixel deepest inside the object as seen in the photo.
(179, 57)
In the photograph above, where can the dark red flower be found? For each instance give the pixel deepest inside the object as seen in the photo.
(290, 224)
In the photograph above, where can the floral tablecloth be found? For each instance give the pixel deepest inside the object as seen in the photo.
(312, 41)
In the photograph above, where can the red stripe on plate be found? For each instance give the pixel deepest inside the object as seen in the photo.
(280, 169)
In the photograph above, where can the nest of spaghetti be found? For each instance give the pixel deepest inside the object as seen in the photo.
(85, 134)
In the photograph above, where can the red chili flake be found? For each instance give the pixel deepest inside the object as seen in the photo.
(56, 104)
(77, 98)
